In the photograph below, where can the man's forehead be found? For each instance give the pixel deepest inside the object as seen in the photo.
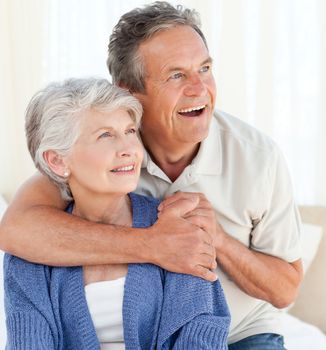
(175, 48)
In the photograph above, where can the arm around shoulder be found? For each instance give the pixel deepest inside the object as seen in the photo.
(24, 219)
(36, 228)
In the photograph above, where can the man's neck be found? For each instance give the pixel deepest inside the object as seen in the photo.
(173, 162)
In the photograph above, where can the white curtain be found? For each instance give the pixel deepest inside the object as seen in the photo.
(269, 65)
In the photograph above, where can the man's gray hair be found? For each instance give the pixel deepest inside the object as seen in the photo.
(53, 117)
(134, 27)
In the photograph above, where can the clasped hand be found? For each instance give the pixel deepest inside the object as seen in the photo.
(186, 235)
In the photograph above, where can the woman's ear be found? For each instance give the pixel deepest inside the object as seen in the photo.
(56, 162)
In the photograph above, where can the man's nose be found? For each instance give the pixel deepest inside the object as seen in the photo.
(195, 87)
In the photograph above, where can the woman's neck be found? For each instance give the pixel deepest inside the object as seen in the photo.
(107, 209)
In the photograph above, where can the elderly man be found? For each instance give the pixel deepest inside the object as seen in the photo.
(247, 223)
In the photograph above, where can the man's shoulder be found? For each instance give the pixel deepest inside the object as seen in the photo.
(235, 130)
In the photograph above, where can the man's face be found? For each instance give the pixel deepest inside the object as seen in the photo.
(180, 89)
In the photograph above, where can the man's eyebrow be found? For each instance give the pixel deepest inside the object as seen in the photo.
(208, 60)
(173, 69)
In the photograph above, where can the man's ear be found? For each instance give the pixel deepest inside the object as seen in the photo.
(55, 162)
(135, 94)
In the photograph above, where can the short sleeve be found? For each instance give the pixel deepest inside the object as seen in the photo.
(277, 232)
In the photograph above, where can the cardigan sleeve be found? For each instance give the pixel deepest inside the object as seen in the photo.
(27, 305)
(203, 332)
(195, 314)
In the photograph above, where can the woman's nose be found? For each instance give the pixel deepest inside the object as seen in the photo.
(125, 149)
(124, 153)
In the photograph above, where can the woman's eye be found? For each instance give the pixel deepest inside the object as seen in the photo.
(104, 135)
(131, 131)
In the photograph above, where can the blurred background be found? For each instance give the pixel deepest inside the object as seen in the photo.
(269, 63)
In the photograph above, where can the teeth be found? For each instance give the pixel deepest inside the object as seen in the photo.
(192, 109)
(125, 168)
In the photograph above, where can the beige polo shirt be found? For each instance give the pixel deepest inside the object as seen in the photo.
(244, 176)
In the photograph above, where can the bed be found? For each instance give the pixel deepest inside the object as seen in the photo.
(305, 322)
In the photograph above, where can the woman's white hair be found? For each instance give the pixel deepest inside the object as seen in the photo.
(54, 113)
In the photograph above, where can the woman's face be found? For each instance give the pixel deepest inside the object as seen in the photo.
(106, 159)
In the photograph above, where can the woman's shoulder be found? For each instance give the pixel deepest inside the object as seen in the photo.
(144, 209)
(144, 200)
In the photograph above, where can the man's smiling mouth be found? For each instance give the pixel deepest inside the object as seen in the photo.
(193, 111)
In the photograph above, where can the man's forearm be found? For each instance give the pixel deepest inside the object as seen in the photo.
(259, 275)
(36, 228)
(49, 236)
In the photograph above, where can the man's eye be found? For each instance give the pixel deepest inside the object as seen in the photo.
(176, 76)
(104, 135)
(204, 69)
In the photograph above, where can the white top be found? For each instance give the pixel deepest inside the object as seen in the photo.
(244, 176)
(104, 300)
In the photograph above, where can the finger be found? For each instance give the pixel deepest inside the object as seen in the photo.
(207, 213)
(191, 196)
(204, 203)
(204, 273)
(180, 207)
(202, 222)
(211, 252)
(208, 261)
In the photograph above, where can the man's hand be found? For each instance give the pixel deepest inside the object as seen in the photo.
(182, 241)
(179, 245)
(202, 215)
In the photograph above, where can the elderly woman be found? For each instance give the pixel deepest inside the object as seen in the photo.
(83, 135)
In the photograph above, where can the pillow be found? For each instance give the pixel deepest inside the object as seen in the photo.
(299, 335)
(310, 238)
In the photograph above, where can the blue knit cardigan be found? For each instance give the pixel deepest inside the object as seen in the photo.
(46, 306)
